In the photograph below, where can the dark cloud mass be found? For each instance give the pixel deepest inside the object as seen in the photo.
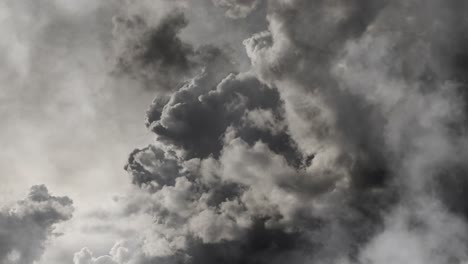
(26, 226)
(339, 147)
(156, 55)
(197, 116)
(344, 141)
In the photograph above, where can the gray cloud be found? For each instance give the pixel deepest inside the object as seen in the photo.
(157, 56)
(26, 226)
(237, 8)
(368, 97)
(400, 93)
(154, 54)
(342, 141)
(197, 116)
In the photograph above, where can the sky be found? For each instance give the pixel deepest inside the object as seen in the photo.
(233, 131)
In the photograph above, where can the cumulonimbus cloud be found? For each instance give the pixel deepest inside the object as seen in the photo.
(345, 142)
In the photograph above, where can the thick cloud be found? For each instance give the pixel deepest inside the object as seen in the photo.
(248, 206)
(344, 143)
(153, 165)
(27, 225)
(406, 69)
(156, 55)
(374, 81)
(197, 116)
(371, 105)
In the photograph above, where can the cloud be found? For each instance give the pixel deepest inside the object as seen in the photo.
(344, 142)
(237, 8)
(426, 235)
(156, 54)
(153, 165)
(26, 227)
(387, 74)
(196, 117)
(85, 256)
(371, 107)
(248, 198)
(232, 173)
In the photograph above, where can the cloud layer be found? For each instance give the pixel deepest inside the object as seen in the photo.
(343, 140)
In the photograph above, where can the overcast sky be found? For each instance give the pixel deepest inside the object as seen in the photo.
(233, 131)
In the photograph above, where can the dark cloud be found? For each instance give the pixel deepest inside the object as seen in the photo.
(249, 206)
(26, 227)
(344, 143)
(157, 56)
(297, 58)
(197, 117)
(154, 54)
(153, 165)
(377, 101)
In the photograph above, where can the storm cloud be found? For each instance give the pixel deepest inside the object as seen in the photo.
(371, 108)
(342, 140)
